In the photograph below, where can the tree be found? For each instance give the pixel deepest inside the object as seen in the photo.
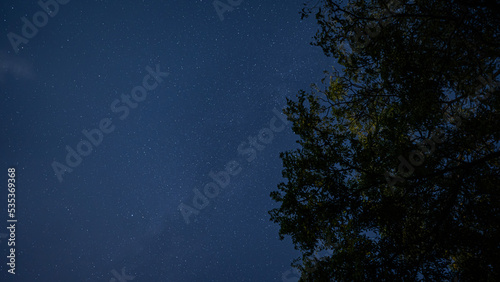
(398, 170)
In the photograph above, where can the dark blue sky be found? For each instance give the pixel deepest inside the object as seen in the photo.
(119, 207)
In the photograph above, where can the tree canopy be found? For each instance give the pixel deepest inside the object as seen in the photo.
(397, 173)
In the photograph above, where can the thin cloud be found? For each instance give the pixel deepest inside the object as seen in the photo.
(13, 67)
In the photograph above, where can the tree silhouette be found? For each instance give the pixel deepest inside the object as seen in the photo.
(398, 170)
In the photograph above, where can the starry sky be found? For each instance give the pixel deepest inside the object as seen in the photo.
(159, 105)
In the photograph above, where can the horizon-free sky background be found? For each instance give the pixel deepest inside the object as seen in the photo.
(119, 207)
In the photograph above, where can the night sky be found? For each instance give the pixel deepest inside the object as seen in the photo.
(159, 105)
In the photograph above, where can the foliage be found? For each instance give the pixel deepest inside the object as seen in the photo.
(398, 169)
